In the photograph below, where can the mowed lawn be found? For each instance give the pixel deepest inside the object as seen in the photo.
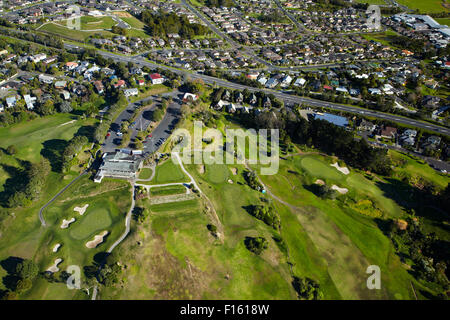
(145, 173)
(78, 35)
(427, 6)
(91, 23)
(169, 172)
(29, 137)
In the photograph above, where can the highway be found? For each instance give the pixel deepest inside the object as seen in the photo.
(287, 98)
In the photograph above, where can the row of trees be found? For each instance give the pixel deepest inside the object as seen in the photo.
(325, 136)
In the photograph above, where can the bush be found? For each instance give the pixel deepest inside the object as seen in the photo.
(307, 288)
(11, 150)
(256, 245)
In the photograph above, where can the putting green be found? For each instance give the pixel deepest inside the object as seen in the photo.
(217, 173)
(318, 168)
(93, 222)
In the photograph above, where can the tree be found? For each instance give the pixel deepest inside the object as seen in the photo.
(307, 288)
(27, 269)
(256, 245)
(11, 150)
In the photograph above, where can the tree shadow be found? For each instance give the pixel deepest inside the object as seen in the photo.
(53, 150)
(410, 197)
(10, 264)
(17, 181)
(87, 131)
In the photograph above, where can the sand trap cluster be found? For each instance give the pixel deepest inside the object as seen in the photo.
(344, 170)
(54, 268)
(340, 190)
(56, 247)
(65, 224)
(97, 240)
(320, 182)
(81, 210)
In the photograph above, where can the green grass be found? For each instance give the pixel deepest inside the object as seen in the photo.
(346, 238)
(145, 173)
(413, 166)
(168, 190)
(217, 173)
(443, 21)
(77, 35)
(428, 6)
(168, 172)
(29, 137)
(92, 23)
(94, 222)
(320, 169)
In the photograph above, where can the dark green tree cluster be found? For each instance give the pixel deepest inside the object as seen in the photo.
(219, 3)
(252, 180)
(140, 214)
(163, 23)
(74, 146)
(52, 41)
(307, 289)
(21, 276)
(273, 17)
(256, 245)
(329, 138)
(35, 176)
(325, 192)
(267, 214)
(429, 253)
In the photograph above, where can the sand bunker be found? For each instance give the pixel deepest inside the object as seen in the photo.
(97, 240)
(66, 223)
(234, 171)
(340, 190)
(320, 182)
(230, 181)
(201, 169)
(344, 170)
(54, 268)
(81, 210)
(56, 247)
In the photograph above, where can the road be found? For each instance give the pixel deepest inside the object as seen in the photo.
(300, 27)
(287, 98)
(41, 211)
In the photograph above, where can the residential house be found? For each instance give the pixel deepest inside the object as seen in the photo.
(131, 92)
(156, 78)
(189, 97)
(388, 132)
(29, 101)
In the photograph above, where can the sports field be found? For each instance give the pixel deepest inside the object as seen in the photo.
(428, 6)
